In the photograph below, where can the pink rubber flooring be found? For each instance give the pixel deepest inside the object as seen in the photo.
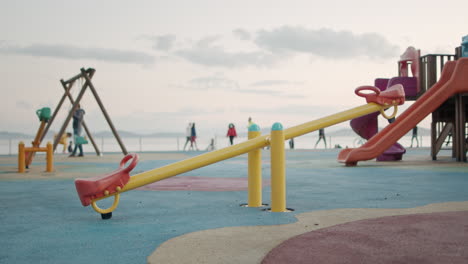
(419, 238)
(193, 183)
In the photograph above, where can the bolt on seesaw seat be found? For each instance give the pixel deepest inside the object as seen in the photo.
(91, 190)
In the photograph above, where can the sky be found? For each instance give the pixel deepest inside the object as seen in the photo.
(162, 64)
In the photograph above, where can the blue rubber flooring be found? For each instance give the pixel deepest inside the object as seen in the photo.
(42, 221)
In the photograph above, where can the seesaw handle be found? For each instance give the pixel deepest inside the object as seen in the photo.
(131, 156)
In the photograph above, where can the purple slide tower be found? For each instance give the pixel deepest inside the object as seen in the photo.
(367, 126)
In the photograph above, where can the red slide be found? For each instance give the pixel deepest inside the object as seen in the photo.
(453, 80)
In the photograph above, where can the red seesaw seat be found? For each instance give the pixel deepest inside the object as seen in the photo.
(92, 188)
(394, 95)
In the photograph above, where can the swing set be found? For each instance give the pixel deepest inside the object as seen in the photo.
(85, 77)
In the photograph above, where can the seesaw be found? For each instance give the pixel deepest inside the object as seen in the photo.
(91, 190)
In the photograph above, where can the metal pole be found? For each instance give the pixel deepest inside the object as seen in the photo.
(49, 157)
(459, 132)
(21, 158)
(254, 170)
(278, 169)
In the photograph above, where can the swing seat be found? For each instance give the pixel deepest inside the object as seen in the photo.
(80, 140)
(93, 188)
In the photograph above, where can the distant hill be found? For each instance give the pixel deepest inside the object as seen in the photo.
(109, 134)
(14, 135)
(127, 134)
(349, 132)
(137, 135)
(345, 132)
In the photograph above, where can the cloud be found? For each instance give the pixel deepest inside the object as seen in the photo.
(75, 53)
(297, 110)
(216, 81)
(278, 88)
(242, 34)
(24, 105)
(208, 53)
(272, 46)
(275, 83)
(164, 42)
(326, 43)
(271, 92)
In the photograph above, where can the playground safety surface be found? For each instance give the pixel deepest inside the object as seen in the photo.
(411, 211)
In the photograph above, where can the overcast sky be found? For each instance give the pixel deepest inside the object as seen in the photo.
(162, 64)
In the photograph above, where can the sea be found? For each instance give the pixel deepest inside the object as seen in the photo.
(155, 144)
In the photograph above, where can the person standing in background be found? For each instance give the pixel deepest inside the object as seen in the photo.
(231, 133)
(77, 128)
(250, 122)
(193, 137)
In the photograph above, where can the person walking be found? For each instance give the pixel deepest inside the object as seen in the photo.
(193, 137)
(321, 137)
(231, 133)
(77, 128)
(415, 136)
(188, 135)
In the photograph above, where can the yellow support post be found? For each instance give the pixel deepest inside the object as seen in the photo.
(278, 170)
(21, 158)
(50, 157)
(255, 170)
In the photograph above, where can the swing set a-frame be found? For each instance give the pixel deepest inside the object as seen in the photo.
(86, 76)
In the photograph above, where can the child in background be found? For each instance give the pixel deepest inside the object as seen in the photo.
(231, 133)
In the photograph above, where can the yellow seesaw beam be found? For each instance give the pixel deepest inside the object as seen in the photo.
(183, 166)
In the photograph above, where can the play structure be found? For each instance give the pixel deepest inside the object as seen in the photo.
(449, 119)
(26, 154)
(443, 98)
(85, 77)
(367, 126)
(92, 190)
(429, 92)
